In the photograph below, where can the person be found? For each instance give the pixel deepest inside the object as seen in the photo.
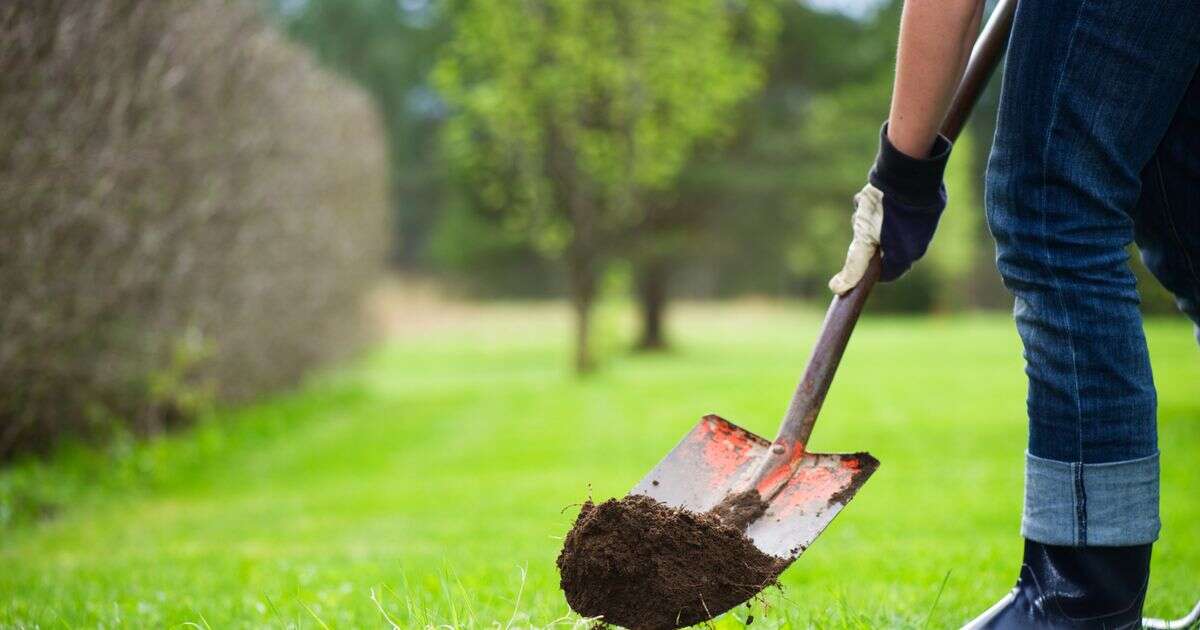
(1097, 146)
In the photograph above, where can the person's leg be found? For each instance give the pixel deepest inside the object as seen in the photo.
(1168, 215)
(1089, 91)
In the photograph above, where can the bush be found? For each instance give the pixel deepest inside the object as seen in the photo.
(190, 211)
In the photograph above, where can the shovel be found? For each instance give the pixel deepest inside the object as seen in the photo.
(718, 462)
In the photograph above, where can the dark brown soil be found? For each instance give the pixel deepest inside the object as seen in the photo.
(869, 464)
(741, 509)
(640, 564)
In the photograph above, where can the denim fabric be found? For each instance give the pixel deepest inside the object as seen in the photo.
(1072, 503)
(1096, 145)
(1167, 225)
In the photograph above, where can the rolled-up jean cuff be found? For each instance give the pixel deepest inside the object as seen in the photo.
(1105, 505)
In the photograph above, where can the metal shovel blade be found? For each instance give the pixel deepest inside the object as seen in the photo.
(717, 458)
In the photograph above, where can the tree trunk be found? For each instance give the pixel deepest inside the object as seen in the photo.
(652, 300)
(572, 196)
(583, 292)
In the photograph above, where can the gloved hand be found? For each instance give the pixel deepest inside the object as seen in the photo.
(897, 212)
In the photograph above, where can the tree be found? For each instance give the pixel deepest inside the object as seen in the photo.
(739, 209)
(678, 218)
(567, 114)
(672, 221)
(755, 216)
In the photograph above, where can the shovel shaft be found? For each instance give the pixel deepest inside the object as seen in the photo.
(789, 445)
(823, 363)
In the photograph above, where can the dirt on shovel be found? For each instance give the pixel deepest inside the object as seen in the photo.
(640, 564)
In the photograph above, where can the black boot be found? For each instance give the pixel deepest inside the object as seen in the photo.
(1073, 587)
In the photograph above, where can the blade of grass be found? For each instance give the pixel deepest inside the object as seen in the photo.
(936, 599)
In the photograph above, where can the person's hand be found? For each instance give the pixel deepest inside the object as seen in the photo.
(896, 212)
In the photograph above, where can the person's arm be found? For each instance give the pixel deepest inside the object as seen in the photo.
(935, 42)
(898, 210)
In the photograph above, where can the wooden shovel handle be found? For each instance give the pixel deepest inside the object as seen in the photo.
(844, 310)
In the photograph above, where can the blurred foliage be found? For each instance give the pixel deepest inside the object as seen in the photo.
(759, 208)
(568, 116)
(388, 47)
(191, 211)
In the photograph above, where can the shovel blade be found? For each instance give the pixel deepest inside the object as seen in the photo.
(717, 458)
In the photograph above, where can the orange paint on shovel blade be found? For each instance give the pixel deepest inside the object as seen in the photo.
(725, 449)
(810, 484)
(781, 472)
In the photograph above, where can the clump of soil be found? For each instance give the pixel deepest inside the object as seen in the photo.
(741, 509)
(641, 564)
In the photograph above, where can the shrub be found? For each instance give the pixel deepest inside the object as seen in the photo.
(190, 211)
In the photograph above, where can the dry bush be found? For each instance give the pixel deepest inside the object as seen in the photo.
(189, 210)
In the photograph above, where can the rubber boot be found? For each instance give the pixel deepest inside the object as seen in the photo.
(1073, 587)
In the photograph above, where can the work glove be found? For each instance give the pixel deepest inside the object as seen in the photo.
(896, 212)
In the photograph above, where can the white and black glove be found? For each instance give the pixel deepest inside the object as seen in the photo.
(897, 212)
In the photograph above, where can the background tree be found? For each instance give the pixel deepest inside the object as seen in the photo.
(677, 218)
(759, 207)
(773, 201)
(567, 114)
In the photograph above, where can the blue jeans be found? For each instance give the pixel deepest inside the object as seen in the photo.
(1097, 146)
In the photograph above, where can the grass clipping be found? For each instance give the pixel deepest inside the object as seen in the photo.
(640, 564)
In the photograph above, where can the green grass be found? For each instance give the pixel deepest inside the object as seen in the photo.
(433, 479)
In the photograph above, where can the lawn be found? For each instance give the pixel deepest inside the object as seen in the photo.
(431, 481)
